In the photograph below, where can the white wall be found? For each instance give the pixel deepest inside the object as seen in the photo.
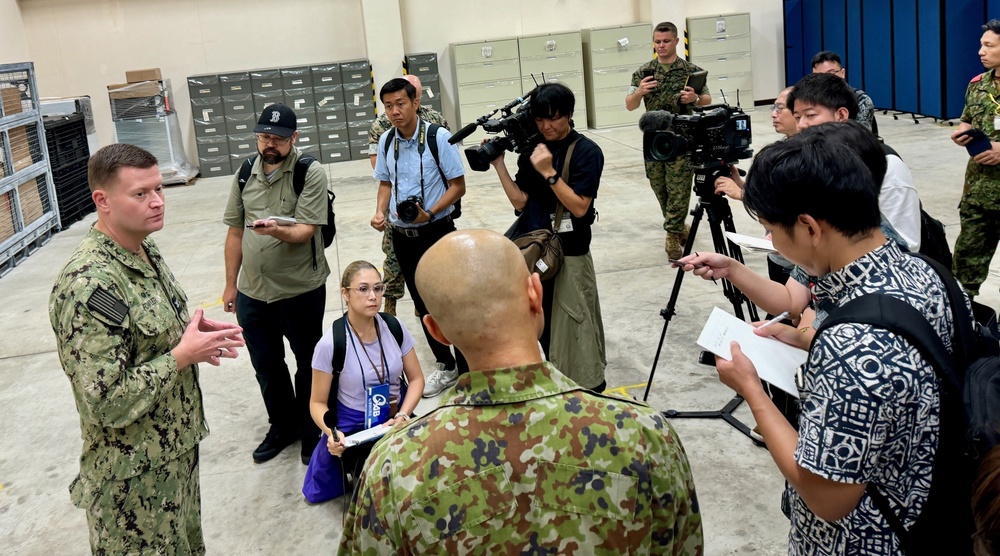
(81, 46)
(13, 40)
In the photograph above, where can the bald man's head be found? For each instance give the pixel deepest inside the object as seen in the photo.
(415, 81)
(473, 280)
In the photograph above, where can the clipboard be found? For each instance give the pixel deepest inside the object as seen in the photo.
(697, 81)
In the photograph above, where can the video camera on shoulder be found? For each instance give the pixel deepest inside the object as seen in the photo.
(520, 134)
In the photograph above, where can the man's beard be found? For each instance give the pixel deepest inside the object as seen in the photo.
(272, 156)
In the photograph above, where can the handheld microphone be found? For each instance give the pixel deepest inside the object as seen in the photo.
(463, 133)
(656, 120)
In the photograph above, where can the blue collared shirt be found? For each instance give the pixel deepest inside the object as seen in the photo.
(408, 165)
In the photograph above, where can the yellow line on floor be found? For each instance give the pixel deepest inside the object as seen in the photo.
(623, 389)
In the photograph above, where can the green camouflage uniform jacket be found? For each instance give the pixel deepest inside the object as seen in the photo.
(982, 183)
(670, 82)
(521, 460)
(115, 320)
(382, 124)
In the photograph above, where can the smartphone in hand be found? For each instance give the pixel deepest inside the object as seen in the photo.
(979, 142)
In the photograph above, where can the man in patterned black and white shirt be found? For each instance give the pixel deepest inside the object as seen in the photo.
(869, 400)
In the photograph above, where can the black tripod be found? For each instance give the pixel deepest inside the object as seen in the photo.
(719, 216)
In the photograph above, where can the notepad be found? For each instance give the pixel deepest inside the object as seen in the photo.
(777, 363)
(697, 81)
(366, 435)
(751, 242)
(282, 220)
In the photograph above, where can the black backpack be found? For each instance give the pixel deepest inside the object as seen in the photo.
(298, 182)
(933, 241)
(970, 409)
(340, 352)
(433, 144)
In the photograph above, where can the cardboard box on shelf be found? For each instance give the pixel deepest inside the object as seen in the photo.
(134, 90)
(31, 202)
(6, 217)
(138, 76)
(11, 100)
(20, 148)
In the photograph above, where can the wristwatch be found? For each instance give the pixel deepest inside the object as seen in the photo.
(430, 215)
(551, 180)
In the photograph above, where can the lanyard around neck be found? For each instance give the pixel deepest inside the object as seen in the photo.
(420, 156)
(382, 378)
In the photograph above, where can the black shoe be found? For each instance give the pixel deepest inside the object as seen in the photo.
(272, 445)
(308, 446)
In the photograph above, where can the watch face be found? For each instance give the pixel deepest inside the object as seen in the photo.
(552, 180)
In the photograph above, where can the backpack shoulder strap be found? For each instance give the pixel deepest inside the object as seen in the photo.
(388, 141)
(964, 342)
(299, 176)
(245, 170)
(394, 327)
(339, 347)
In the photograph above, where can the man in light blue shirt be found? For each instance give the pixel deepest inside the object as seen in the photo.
(416, 203)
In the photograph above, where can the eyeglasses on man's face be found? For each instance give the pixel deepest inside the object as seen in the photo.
(777, 107)
(265, 139)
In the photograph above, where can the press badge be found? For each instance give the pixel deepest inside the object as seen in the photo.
(376, 405)
(566, 225)
(996, 122)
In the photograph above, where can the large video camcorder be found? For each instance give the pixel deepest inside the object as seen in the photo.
(520, 134)
(713, 133)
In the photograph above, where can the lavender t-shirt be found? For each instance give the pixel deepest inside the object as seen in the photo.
(351, 387)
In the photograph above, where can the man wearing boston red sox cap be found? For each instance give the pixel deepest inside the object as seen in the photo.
(280, 291)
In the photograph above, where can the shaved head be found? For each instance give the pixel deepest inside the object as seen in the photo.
(479, 293)
(415, 81)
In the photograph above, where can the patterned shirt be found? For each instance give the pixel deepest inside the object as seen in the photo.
(866, 108)
(115, 319)
(869, 407)
(670, 79)
(522, 461)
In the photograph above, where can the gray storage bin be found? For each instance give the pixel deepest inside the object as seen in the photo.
(212, 166)
(331, 115)
(331, 153)
(213, 145)
(305, 117)
(325, 75)
(299, 99)
(235, 83)
(332, 133)
(240, 124)
(422, 64)
(263, 100)
(243, 144)
(265, 81)
(296, 78)
(356, 71)
(215, 125)
(238, 104)
(200, 86)
(207, 107)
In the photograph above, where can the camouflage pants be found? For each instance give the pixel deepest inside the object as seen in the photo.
(671, 183)
(976, 244)
(157, 512)
(392, 275)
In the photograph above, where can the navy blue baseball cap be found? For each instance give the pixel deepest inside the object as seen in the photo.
(276, 119)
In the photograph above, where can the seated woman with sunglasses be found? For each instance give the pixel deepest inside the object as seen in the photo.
(369, 389)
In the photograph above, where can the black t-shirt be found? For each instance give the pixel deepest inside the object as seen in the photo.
(586, 166)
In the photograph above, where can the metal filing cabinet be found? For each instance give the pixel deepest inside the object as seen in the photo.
(487, 76)
(209, 96)
(425, 66)
(331, 116)
(359, 106)
(558, 57)
(611, 56)
(721, 46)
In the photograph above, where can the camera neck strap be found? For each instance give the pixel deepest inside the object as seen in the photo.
(565, 178)
(421, 138)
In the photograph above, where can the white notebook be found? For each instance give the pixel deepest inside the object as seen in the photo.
(366, 435)
(750, 242)
(777, 363)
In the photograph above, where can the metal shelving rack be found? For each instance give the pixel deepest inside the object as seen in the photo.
(28, 214)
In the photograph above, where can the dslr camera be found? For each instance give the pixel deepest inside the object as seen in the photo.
(520, 134)
(408, 209)
(713, 138)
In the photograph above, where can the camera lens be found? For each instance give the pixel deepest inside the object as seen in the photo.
(408, 210)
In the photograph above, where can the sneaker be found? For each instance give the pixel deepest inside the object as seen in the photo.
(674, 245)
(439, 380)
(389, 306)
(272, 445)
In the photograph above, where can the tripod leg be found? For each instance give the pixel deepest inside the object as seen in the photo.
(669, 311)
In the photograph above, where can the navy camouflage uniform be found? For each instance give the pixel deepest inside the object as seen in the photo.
(116, 318)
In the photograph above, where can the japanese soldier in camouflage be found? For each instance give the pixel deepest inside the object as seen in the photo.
(518, 459)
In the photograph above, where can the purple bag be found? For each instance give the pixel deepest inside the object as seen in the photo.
(325, 479)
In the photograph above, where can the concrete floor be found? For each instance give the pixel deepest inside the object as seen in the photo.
(250, 508)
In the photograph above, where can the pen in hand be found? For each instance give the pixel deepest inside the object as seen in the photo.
(682, 263)
(779, 318)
